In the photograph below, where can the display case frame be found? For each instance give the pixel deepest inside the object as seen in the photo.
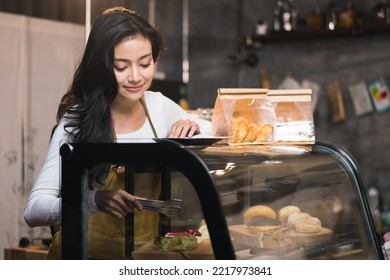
(77, 157)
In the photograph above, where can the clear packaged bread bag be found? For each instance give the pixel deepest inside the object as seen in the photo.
(294, 115)
(244, 115)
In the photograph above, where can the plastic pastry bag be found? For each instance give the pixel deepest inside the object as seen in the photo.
(244, 115)
(294, 115)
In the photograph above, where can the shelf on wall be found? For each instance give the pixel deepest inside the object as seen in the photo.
(276, 37)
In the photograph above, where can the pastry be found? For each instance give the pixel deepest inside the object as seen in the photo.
(265, 131)
(252, 133)
(179, 241)
(285, 212)
(238, 129)
(260, 219)
(176, 243)
(242, 131)
(308, 224)
(293, 217)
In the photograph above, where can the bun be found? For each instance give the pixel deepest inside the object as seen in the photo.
(308, 225)
(259, 211)
(261, 218)
(285, 212)
(292, 219)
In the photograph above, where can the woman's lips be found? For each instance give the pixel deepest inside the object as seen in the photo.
(133, 89)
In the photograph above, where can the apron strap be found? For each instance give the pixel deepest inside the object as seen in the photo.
(148, 116)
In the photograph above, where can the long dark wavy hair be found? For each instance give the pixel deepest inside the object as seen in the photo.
(87, 102)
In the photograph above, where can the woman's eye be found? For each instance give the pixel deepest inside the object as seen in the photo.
(120, 69)
(145, 65)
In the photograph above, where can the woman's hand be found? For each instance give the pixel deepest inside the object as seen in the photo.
(184, 128)
(117, 203)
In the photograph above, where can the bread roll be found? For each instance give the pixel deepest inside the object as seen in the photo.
(308, 225)
(292, 219)
(259, 211)
(285, 212)
(261, 218)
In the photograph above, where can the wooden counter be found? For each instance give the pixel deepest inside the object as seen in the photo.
(147, 252)
(30, 253)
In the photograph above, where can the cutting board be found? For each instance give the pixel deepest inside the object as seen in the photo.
(147, 252)
(281, 238)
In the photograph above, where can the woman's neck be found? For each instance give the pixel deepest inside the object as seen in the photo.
(127, 117)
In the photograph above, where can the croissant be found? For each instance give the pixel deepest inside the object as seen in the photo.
(238, 129)
(241, 131)
(265, 131)
(252, 132)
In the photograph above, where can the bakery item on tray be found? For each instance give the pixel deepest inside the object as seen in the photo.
(308, 224)
(293, 217)
(261, 218)
(285, 212)
(178, 241)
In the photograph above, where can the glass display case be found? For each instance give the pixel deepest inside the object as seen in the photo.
(219, 185)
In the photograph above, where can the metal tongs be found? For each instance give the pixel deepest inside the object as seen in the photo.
(170, 208)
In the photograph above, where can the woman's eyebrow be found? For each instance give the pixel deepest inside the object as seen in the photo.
(127, 60)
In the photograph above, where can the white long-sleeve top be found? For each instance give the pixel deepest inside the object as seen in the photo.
(43, 205)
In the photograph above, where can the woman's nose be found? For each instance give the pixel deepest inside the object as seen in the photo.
(134, 75)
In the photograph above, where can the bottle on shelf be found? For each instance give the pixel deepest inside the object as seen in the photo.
(382, 13)
(278, 14)
(290, 16)
(347, 17)
(316, 20)
(331, 17)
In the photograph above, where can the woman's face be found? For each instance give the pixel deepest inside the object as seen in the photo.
(133, 67)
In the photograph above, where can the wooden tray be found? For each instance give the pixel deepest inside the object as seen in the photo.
(147, 252)
(278, 239)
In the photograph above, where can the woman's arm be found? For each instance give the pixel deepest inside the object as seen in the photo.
(175, 113)
(161, 107)
(43, 205)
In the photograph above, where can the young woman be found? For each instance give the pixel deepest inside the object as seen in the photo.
(109, 101)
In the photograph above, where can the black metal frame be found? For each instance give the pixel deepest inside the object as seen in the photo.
(78, 157)
(342, 156)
